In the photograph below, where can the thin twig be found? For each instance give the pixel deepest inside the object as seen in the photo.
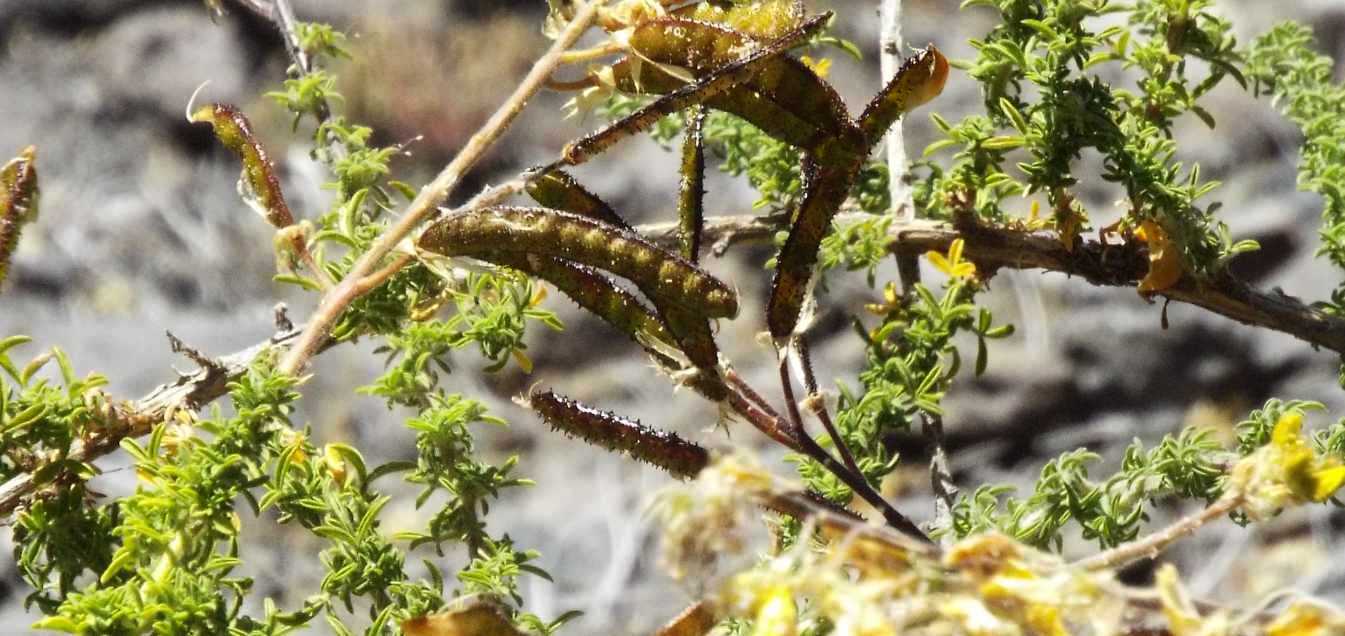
(1149, 546)
(770, 425)
(260, 8)
(335, 302)
(940, 472)
(890, 44)
(819, 406)
(189, 392)
(738, 382)
(856, 481)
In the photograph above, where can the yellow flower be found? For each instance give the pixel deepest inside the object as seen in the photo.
(1307, 476)
(1306, 619)
(952, 264)
(819, 66)
(891, 302)
(776, 613)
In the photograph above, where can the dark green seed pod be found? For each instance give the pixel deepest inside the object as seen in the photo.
(558, 190)
(615, 433)
(665, 277)
(704, 47)
(18, 203)
(828, 183)
(589, 289)
(761, 112)
(598, 293)
(691, 200)
(920, 79)
(714, 83)
(259, 177)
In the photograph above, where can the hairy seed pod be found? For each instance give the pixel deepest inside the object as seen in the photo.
(828, 176)
(665, 277)
(704, 47)
(615, 433)
(714, 83)
(761, 112)
(693, 336)
(920, 79)
(18, 203)
(258, 184)
(764, 19)
(557, 190)
(590, 289)
(691, 200)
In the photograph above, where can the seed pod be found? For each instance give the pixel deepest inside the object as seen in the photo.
(615, 433)
(18, 203)
(258, 184)
(761, 112)
(704, 47)
(691, 202)
(713, 83)
(827, 175)
(663, 276)
(558, 190)
(589, 289)
(762, 20)
(920, 79)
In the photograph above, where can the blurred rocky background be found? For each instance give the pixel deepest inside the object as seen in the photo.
(142, 232)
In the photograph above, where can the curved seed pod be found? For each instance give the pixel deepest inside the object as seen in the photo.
(557, 190)
(589, 289)
(828, 175)
(704, 47)
(258, 184)
(920, 79)
(691, 202)
(714, 83)
(761, 112)
(663, 276)
(615, 433)
(18, 202)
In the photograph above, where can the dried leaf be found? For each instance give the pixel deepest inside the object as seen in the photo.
(696, 620)
(477, 615)
(1165, 264)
